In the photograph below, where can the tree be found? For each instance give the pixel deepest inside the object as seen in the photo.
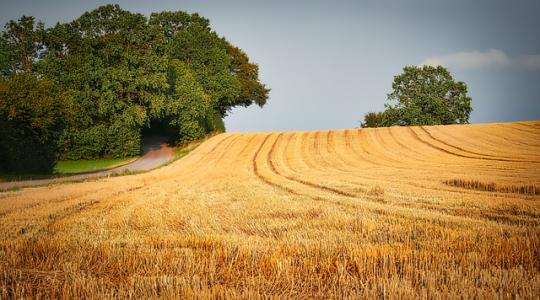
(187, 105)
(223, 70)
(373, 119)
(251, 90)
(33, 114)
(423, 96)
(428, 96)
(126, 72)
(120, 66)
(107, 58)
(20, 44)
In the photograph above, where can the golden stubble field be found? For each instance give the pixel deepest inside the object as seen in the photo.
(419, 212)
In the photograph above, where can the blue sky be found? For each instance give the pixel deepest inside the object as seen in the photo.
(329, 62)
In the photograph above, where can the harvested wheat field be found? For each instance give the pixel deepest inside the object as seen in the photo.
(419, 212)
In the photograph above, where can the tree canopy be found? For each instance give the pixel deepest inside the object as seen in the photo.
(33, 113)
(124, 71)
(373, 119)
(424, 96)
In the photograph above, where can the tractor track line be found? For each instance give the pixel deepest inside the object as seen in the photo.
(417, 137)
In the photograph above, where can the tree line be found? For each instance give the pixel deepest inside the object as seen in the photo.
(88, 88)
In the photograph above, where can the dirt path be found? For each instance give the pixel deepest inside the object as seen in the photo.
(155, 153)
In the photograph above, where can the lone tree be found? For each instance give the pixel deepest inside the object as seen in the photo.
(425, 96)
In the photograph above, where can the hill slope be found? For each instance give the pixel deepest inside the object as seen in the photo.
(401, 212)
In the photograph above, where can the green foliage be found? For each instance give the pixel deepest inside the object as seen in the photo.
(252, 91)
(126, 72)
(429, 96)
(373, 119)
(423, 96)
(20, 44)
(213, 122)
(65, 167)
(223, 70)
(186, 105)
(192, 42)
(107, 59)
(33, 113)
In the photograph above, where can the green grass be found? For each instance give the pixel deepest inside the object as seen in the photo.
(180, 152)
(89, 165)
(72, 167)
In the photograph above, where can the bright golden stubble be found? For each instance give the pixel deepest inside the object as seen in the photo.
(401, 212)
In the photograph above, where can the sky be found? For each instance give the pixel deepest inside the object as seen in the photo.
(327, 63)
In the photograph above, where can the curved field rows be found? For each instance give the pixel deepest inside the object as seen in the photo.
(439, 211)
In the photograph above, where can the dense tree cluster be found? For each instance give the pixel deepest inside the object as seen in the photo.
(33, 113)
(121, 72)
(423, 96)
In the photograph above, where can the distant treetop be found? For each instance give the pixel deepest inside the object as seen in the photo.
(424, 96)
